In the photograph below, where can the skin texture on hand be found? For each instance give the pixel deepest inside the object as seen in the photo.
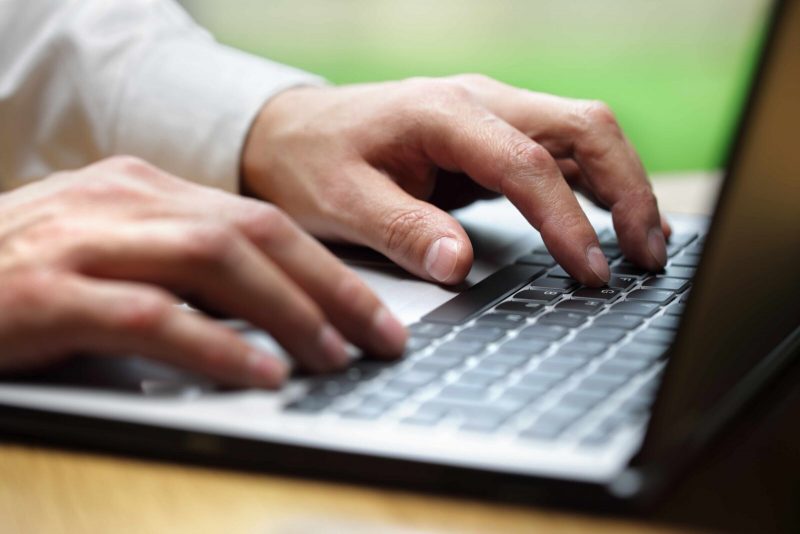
(377, 165)
(90, 261)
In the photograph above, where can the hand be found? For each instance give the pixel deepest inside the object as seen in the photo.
(86, 256)
(358, 163)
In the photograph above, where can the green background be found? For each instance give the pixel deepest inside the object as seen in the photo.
(674, 72)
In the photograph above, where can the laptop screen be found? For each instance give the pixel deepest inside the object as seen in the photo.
(746, 295)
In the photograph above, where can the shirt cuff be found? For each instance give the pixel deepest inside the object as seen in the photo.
(189, 106)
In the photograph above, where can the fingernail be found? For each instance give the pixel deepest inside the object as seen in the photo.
(657, 246)
(598, 263)
(441, 259)
(391, 331)
(265, 370)
(333, 345)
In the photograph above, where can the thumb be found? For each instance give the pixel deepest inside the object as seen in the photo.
(414, 234)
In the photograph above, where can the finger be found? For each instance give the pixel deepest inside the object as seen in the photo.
(499, 157)
(575, 177)
(217, 265)
(414, 234)
(72, 314)
(348, 303)
(589, 133)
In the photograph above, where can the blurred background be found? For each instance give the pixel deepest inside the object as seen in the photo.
(674, 72)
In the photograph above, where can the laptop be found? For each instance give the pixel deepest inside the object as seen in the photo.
(525, 385)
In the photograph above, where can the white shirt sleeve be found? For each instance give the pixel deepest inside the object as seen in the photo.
(84, 79)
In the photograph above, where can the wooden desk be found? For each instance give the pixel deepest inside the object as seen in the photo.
(52, 491)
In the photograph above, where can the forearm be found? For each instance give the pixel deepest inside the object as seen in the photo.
(81, 81)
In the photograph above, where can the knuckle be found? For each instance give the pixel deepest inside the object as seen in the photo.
(130, 165)
(472, 79)
(143, 312)
(401, 226)
(595, 114)
(526, 154)
(208, 243)
(29, 290)
(264, 222)
(441, 94)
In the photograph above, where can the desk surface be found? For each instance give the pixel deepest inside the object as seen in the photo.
(53, 491)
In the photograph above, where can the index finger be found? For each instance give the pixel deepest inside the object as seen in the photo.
(469, 139)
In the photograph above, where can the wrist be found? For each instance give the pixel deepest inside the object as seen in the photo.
(261, 142)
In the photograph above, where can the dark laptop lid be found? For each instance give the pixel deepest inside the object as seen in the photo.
(742, 324)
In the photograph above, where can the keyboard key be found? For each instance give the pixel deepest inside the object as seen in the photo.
(601, 293)
(589, 348)
(619, 320)
(581, 306)
(509, 358)
(473, 378)
(636, 406)
(365, 411)
(414, 377)
(565, 284)
(543, 430)
(463, 347)
(682, 238)
(538, 295)
(563, 318)
(487, 334)
(685, 260)
(645, 309)
(494, 368)
(414, 344)
(673, 249)
(524, 345)
(676, 309)
(602, 383)
(662, 282)
(439, 362)
(539, 380)
(601, 333)
(525, 395)
(558, 272)
(432, 330)
(612, 252)
(485, 293)
(582, 399)
(654, 336)
(685, 297)
(559, 365)
(621, 281)
(378, 398)
(426, 416)
(541, 331)
(462, 392)
(309, 404)
(509, 321)
(628, 270)
(598, 437)
(645, 351)
(666, 322)
(545, 260)
(615, 368)
(678, 272)
(522, 308)
(484, 423)
(651, 295)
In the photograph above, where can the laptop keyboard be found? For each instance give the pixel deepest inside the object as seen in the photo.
(528, 353)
